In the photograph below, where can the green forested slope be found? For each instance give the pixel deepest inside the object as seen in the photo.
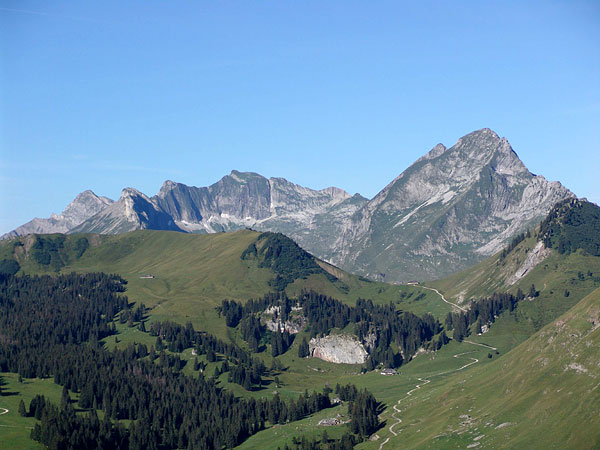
(545, 393)
(560, 259)
(194, 273)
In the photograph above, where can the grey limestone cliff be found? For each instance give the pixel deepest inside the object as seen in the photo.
(338, 349)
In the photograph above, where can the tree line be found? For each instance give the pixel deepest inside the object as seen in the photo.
(482, 312)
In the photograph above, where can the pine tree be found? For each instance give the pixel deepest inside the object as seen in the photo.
(22, 411)
(253, 343)
(532, 291)
(303, 349)
(448, 322)
(276, 343)
(444, 339)
(65, 400)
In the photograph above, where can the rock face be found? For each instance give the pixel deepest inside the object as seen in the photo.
(81, 208)
(295, 323)
(447, 211)
(133, 211)
(338, 349)
(450, 209)
(538, 254)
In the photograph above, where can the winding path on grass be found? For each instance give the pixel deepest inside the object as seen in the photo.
(4, 411)
(444, 298)
(425, 381)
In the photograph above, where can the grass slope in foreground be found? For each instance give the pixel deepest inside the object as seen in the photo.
(545, 393)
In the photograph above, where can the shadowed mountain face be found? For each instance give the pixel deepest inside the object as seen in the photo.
(448, 210)
(133, 211)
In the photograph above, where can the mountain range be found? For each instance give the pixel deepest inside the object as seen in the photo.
(447, 211)
(520, 370)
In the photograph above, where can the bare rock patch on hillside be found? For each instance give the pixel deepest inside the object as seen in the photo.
(338, 349)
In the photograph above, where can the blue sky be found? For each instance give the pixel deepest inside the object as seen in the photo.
(104, 95)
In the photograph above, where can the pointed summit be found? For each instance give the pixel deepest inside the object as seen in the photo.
(168, 185)
(436, 151)
(131, 192)
(447, 211)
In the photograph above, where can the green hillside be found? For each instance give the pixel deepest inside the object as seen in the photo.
(560, 259)
(193, 273)
(542, 394)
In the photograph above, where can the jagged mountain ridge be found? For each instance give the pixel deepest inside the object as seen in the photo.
(133, 211)
(243, 199)
(447, 211)
(238, 200)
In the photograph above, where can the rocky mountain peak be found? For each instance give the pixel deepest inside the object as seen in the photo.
(132, 192)
(449, 209)
(133, 211)
(336, 194)
(87, 194)
(436, 151)
(487, 132)
(167, 186)
(245, 177)
(480, 151)
(477, 143)
(482, 134)
(83, 206)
